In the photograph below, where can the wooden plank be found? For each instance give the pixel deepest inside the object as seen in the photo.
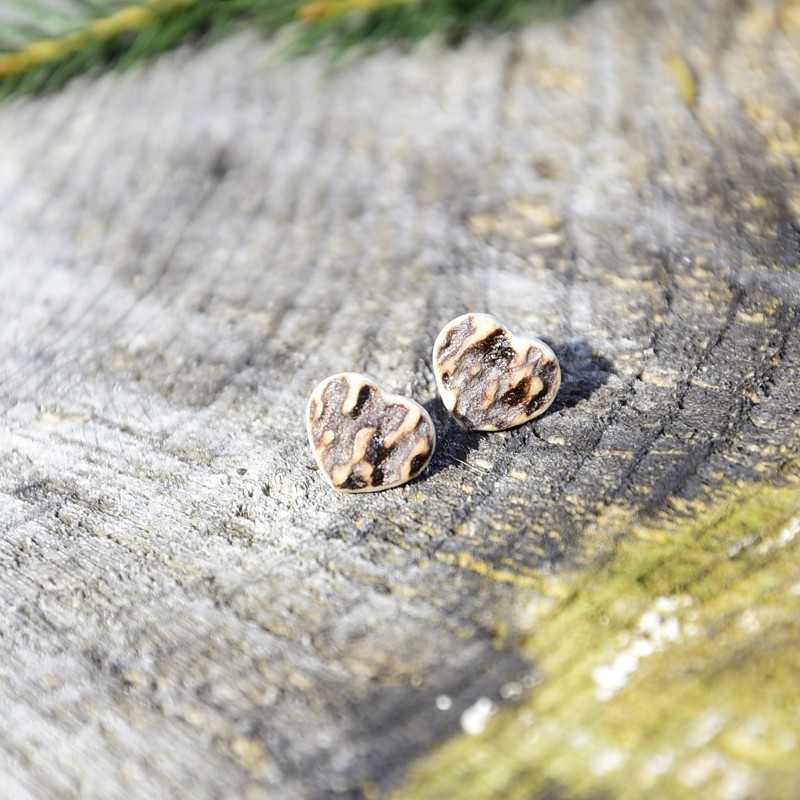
(188, 248)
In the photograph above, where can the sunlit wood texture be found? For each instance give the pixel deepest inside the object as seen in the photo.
(186, 610)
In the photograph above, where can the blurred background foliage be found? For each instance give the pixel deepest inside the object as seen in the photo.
(45, 43)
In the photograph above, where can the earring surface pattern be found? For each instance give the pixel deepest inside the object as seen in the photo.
(491, 379)
(364, 438)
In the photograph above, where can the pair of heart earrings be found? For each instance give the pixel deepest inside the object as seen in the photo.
(365, 439)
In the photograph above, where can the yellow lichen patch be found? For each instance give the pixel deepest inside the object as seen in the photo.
(701, 384)
(251, 756)
(549, 76)
(531, 219)
(789, 16)
(781, 132)
(754, 317)
(538, 213)
(757, 23)
(684, 78)
(483, 224)
(545, 588)
(669, 670)
(467, 561)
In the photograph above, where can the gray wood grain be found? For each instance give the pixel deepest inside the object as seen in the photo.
(187, 249)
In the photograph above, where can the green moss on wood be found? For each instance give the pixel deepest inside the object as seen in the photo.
(668, 670)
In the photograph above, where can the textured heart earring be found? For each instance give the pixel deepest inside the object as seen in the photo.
(365, 439)
(489, 378)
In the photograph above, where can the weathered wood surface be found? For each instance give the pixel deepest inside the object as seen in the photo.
(186, 250)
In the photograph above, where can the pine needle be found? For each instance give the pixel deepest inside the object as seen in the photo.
(45, 43)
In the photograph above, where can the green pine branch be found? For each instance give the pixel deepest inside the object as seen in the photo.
(42, 46)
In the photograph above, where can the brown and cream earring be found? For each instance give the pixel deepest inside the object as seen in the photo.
(364, 438)
(491, 379)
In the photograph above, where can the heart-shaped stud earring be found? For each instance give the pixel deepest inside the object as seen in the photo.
(365, 439)
(489, 378)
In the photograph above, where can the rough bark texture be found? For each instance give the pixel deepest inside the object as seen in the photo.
(186, 610)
